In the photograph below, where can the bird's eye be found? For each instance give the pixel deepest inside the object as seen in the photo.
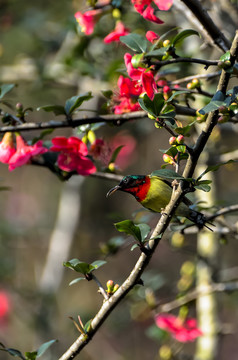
(125, 180)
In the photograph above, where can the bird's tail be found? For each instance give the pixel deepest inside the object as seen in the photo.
(199, 219)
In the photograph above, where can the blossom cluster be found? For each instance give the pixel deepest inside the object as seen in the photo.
(72, 153)
(181, 330)
(20, 155)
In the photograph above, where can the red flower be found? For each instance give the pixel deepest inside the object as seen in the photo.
(129, 90)
(149, 15)
(152, 36)
(4, 305)
(7, 148)
(120, 30)
(183, 331)
(87, 20)
(143, 75)
(147, 11)
(72, 155)
(25, 152)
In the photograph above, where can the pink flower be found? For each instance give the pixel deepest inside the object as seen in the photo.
(128, 87)
(120, 30)
(149, 15)
(87, 20)
(147, 11)
(126, 101)
(7, 148)
(152, 36)
(164, 4)
(143, 75)
(25, 152)
(183, 331)
(72, 155)
(4, 305)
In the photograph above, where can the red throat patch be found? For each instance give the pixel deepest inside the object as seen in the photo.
(141, 189)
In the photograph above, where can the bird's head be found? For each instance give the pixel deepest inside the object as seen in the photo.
(132, 184)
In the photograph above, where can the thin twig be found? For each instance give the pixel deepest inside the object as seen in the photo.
(207, 63)
(194, 294)
(197, 76)
(101, 289)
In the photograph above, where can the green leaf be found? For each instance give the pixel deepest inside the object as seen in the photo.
(98, 263)
(31, 355)
(4, 89)
(134, 247)
(182, 35)
(144, 230)
(42, 349)
(76, 101)
(128, 227)
(226, 56)
(181, 148)
(203, 187)
(185, 129)
(167, 174)
(56, 109)
(82, 267)
(107, 93)
(217, 100)
(176, 93)
(13, 352)
(116, 153)
(135, 42)
(75, 281)
(153, 107)
(214, 168)
(79, 266)
(158, 52)
(87, 326)
(42, 135)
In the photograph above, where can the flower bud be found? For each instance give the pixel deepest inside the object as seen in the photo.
(166, 43)
(180, 139)
(112, 166)
(116, 287)
(110, 286)
(172, 140)
(168, 159)
(91, 136)
(116, 13)
(196, 82)
(165, 352)
(19, 106)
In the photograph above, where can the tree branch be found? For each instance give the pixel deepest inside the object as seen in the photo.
(205, 20)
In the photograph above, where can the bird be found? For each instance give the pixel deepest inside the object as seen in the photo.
(154, 193)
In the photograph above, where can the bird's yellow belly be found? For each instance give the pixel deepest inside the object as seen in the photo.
(159, 196)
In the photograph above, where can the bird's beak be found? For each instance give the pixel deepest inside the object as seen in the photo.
(111, 191)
